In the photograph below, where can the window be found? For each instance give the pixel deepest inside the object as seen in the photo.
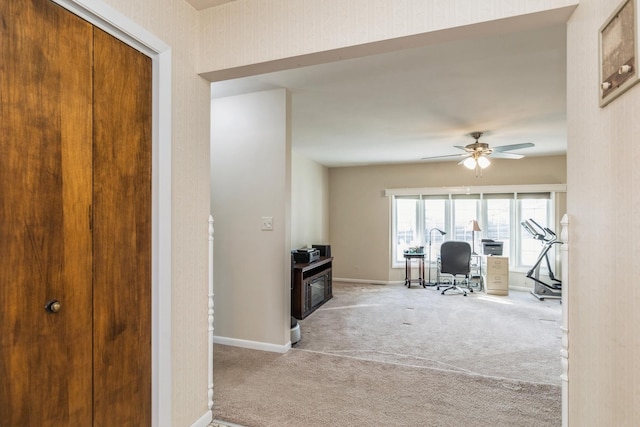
(498, 222)
(464, 210)
(435, 214)
(416, 219)
(407, 230)
(538, 210)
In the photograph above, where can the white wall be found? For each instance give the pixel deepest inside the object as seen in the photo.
(309, 202)
(603, 205)
(251, 37)
(251, 179)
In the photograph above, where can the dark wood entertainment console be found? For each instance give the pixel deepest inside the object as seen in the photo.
(311, 286)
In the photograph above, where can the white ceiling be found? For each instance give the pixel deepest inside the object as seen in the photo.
(402, 106)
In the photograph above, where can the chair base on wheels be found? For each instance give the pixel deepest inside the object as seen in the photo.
(455, 286)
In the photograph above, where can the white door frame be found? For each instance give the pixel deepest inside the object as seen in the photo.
(103, 16)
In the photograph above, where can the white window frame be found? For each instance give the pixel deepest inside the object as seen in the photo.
(449, 192)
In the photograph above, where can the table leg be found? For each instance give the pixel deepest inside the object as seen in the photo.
(407, 272)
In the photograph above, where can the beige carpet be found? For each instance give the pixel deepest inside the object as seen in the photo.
(388, 355)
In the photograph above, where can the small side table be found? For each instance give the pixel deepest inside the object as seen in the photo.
(476, 280)
(408, 257)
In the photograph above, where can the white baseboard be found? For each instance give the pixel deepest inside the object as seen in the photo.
(524, 288)
(399, 282)
(368, 282)
(254, 345)
(521, 288)
(204, 420)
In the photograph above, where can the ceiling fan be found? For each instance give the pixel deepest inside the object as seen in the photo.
(476, 155)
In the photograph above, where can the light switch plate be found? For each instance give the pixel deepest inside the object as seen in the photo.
(267, 223)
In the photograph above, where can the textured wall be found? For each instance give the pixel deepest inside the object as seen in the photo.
(361, 215)
(603, 205)
(309, 202)
(247, 32)
(176, 23)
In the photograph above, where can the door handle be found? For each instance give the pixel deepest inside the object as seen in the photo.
(53, 306)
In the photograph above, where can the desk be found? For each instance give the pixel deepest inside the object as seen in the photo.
(408, 257)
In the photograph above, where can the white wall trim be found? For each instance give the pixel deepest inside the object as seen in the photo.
(105, 17)
(210, 313)
(369, 282)
(485, 189)
(398, 282)
(121, 27)
(564, 348)
(254, 345)
(520, 288)
(204, 420)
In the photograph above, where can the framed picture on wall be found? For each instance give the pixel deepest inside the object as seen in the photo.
(619, 52)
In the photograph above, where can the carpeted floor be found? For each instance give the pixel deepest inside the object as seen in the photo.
(388, 355)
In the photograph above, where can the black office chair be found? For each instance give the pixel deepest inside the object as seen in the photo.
(455, 259)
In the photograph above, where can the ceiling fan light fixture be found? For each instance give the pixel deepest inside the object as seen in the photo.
(470, 163)
(476, 156)
(483, 162)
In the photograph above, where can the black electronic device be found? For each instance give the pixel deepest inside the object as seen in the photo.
(325, 250)
(305, 255)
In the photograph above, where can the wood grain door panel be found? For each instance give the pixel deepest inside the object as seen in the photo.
(122, 233)
(75, 222)
(45, 197)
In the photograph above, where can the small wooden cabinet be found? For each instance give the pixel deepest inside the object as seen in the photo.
(310, 286)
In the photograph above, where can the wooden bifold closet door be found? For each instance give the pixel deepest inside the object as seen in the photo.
(75, 222)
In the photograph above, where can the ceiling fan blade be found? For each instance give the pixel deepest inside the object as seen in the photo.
(513, 147)
(499, 155)
(445, 156)
(460, 147)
